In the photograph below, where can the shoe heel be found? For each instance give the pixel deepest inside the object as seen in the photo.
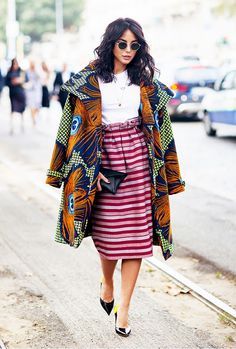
(116, 308)
(107, 306)
(121, 331)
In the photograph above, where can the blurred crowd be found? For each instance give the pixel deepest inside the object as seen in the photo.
(33, 88)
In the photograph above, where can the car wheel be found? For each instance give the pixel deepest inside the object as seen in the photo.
(210, 131)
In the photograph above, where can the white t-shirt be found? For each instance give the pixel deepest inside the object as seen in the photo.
(120, 101)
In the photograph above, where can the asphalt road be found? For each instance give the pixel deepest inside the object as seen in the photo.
(204, 217)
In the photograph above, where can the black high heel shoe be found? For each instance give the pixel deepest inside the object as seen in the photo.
(107, 306)
(122, 331)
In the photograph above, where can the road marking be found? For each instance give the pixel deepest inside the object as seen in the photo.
(198, 292)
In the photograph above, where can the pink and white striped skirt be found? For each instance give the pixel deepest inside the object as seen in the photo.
(122, 222)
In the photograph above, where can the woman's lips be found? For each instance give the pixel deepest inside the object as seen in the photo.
(126, 57)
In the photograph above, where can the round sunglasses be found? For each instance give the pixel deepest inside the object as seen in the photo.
(134, 46)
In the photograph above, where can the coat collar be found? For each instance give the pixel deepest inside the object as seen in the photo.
(85, 86)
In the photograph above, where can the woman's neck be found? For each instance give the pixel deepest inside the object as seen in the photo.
(118, 67)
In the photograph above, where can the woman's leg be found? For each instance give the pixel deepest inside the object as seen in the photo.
(108, 267)
(11, 131)
(129, 274)
(34, 112)
(22, 122)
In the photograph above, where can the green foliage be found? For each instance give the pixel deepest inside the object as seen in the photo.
(225, 7)
(39, 17)
(3, 14)
(72, 14)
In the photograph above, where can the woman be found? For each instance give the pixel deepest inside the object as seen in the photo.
(61, 77)
(33, 91)
(45, 76)
(116, 115)
(15, 79)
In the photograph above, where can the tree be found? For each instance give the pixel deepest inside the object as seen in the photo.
(225, 7)
(3, 15)
(39, 17)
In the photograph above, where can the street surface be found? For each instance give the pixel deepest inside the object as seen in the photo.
(59, 285)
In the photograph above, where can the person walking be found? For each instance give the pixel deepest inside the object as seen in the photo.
(45, 77)
(33, 91)
(2, 82)
(116, 118)
(15, 80)
(61, 77)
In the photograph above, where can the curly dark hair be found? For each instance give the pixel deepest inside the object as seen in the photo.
(142, 66)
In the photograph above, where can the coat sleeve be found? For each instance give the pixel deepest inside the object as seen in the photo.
(175, 183)
(56, 170)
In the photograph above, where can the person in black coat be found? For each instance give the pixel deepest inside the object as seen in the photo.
(15, 79)
(1, 82)
(60, 78)
(45, 76)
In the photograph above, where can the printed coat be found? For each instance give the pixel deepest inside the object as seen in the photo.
(76, 157)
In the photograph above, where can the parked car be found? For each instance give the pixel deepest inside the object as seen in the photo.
(218, 108)
(190, 84)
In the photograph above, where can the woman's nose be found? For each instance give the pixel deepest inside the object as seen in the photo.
(128, 48)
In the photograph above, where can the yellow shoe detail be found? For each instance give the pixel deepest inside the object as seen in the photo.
(116, 308)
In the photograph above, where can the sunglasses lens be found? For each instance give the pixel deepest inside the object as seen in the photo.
(122, 45)
(135, 46)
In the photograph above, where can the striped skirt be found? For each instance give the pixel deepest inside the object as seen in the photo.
(122, 222)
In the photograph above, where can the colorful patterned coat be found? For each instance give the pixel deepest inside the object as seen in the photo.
(76, 158)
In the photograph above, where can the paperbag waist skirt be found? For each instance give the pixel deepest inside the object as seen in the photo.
(122, 222)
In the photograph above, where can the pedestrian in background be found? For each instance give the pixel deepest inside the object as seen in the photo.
(61, 77)
(116, 117)
(45, 77)
(1, 82)
(33, 91)
(15, 80)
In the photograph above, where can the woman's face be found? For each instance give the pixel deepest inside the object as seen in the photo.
(31, 65)
(15, 65)
(126, 55)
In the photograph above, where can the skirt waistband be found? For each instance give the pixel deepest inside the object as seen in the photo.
(121, 125)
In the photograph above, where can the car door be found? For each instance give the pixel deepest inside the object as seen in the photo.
(226, 100)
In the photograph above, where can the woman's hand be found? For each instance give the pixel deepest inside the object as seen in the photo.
(101, 176)
(16, 81)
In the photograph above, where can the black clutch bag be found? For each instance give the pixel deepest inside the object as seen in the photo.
(115, 178)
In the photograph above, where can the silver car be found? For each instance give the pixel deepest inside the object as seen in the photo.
(218, 107)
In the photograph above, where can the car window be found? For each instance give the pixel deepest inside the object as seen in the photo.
(194, 74)
(229, 81)
(234, 81)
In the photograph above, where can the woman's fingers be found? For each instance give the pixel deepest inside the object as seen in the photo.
(104, 178)
(101, 176)
(99, 185)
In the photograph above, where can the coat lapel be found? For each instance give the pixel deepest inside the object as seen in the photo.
(146, 108)
(85, 86)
